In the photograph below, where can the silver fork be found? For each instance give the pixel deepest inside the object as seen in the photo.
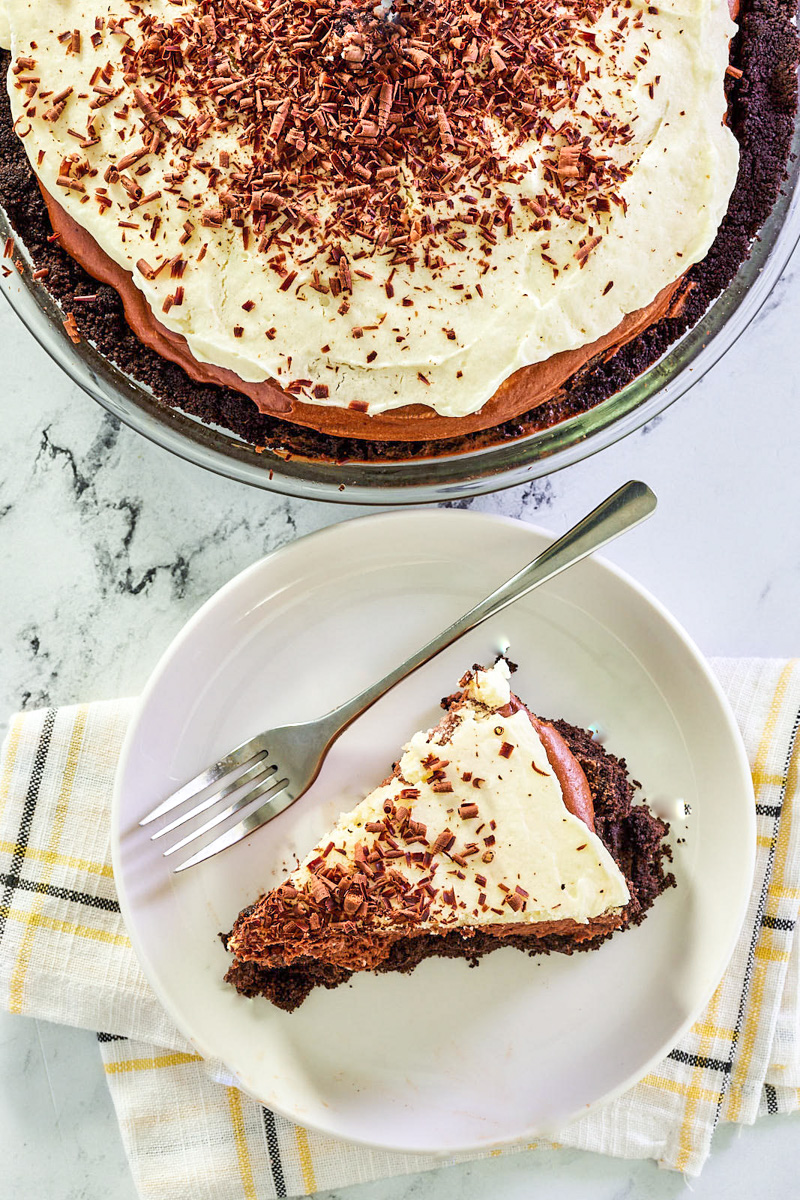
(279, 765)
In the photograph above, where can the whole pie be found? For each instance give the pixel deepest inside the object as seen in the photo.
(496, 828)
(398, 229)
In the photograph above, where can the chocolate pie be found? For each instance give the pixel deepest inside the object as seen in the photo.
(495, 829)
(390, 230)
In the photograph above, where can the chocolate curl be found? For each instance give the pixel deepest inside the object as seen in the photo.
(150, 112)
(385, 104)
(568, 158)
(445, 132)
(279, 120)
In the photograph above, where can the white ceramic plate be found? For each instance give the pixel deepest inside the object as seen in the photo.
(448, 1058)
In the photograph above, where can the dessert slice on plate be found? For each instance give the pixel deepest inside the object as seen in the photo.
(495, 828)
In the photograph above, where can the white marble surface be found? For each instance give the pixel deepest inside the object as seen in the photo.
(107, 545)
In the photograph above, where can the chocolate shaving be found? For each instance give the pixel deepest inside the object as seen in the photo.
(151, 113)
(443, 842)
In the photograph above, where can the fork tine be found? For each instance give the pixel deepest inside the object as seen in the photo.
(237, 805)
(254, 774)
(252, 821)
(229, 838)
(239, 757)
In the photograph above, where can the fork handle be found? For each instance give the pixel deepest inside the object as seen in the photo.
(624, 509)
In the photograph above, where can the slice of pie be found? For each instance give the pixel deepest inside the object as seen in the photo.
(495, 828)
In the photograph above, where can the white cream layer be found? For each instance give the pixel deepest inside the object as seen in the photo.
(538, 845)
(683, 168)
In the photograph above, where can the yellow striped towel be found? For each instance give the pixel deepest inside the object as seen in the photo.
(64, 956)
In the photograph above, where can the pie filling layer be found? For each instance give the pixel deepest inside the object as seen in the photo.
(485, 829)
(402, 212)
(524, 390)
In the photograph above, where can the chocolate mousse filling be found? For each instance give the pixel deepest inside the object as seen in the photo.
(524, 390)
(762, 91)
(630, 832)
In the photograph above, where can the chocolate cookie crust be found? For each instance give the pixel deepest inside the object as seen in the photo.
(762, 107)
(632, 835)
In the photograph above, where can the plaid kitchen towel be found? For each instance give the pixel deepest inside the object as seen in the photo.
(65, 956)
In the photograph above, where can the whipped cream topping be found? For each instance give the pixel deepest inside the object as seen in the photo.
(492, 687)
(503, 848)
(565, 223)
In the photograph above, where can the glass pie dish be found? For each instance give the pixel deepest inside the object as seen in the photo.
(445, 477)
